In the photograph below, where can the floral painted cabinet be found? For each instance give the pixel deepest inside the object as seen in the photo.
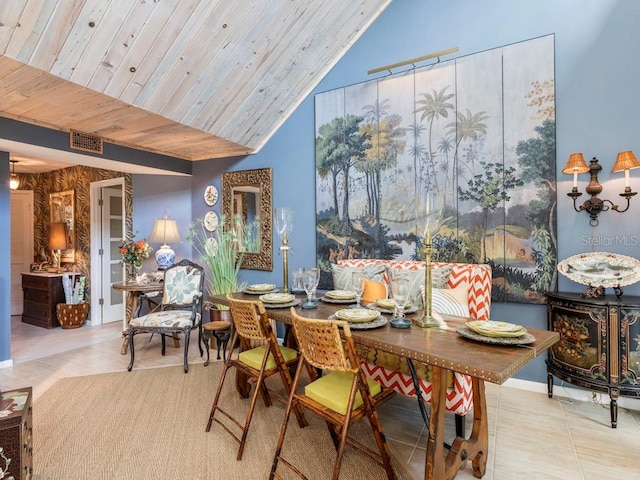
(599, 345)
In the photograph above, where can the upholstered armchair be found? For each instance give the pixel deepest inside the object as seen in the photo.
(180, 310)
(452, 282)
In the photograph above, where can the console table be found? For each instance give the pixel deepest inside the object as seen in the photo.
(16, 434)
(42, 292)
(599, 345)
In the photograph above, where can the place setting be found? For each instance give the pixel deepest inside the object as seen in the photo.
(260, 289)
(360, 318)
(339, 296)
(279, 300)
(496, 332)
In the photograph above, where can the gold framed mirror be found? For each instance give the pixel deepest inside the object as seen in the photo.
(62, 232)
(246, 206)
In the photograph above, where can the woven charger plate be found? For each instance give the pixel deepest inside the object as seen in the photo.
(377, 323)
(277, 298)
(525, 339)
(335, 300)
(490, 328)
(390, 311)
(293, 303)
(357, 315)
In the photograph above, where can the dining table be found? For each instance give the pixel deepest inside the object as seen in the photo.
(445, 350)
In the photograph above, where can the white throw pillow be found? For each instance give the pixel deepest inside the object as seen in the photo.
(342, 275)
(449, 301)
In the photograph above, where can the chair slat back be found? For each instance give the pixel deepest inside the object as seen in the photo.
(320, 343)
(182, 283)
(248, 319)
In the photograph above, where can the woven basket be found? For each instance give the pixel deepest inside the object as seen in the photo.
(72, 315)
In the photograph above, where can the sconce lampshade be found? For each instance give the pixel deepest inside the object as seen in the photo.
(58, 236)
(625, 161)
(575, 164)
(165, 230)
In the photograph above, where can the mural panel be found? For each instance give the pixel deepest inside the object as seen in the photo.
(478, 134)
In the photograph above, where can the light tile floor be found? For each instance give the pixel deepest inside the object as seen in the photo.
(530, 435)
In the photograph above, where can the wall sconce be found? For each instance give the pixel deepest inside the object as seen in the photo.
(14, 181)
(576, 165)
(165, 230)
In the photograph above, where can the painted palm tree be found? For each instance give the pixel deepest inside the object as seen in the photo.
(435, 105)
(466, 127)
(417, 151)
(445, 145)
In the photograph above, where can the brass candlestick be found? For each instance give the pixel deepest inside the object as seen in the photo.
(427, 319)
(284, 248)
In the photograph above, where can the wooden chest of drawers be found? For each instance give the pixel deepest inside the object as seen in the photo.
(16, 432)
(42, 292)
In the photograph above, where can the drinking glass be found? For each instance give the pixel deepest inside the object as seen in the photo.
(400, 295)
(316, 273)
(309, 283)
(357, 285)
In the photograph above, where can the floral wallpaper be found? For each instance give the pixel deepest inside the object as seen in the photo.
(78, 179)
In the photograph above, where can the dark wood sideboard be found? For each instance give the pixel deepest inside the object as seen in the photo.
(599, 345)
(42, 292)
(16, 434)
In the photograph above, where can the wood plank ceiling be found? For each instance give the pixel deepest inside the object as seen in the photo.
(193, 79)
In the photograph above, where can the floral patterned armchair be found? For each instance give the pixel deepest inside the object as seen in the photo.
(180, 310)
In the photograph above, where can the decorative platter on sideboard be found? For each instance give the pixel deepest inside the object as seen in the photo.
(601, 269)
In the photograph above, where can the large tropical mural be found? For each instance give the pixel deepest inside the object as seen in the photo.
(463, 149)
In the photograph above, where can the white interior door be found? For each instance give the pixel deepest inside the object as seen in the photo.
(107, 304)
(21, 244)
(112, 235)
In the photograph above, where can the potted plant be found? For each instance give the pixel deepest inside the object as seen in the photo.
(220, 253)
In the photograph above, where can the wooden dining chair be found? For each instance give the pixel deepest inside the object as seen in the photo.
(342, 395)
(260, 357)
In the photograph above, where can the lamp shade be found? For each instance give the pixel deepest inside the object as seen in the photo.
(575, 164)
(165, 230)
(58, 236)
(625, 161)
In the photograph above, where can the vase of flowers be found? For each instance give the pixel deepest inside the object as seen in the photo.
(133, 253)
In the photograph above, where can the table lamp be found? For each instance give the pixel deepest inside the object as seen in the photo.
(57, 241)
(165, 230)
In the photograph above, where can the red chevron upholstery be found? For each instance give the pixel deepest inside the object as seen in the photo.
(392, 371)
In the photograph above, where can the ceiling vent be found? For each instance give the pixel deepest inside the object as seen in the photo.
(86, 142)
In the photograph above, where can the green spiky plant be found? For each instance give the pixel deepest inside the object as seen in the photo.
(219, 252)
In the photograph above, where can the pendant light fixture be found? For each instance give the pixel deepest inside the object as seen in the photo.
(14, 181)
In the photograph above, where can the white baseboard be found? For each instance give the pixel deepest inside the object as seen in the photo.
(6, 363)
(572, 392)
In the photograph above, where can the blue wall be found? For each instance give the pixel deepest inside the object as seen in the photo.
(596, 100)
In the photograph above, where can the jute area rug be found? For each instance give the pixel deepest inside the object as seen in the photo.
(150, 424)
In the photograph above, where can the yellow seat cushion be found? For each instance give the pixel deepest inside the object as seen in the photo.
(373, 291)
(254, 357)
(332, 391)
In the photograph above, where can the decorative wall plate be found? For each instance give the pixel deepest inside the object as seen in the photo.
(601, 269)
(210, 195)
(211, 221)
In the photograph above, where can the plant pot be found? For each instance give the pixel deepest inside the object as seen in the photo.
(72, 315)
